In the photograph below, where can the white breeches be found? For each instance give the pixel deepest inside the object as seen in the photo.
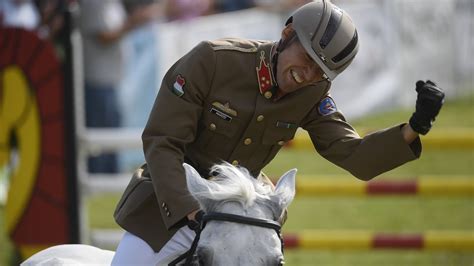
(132, 250)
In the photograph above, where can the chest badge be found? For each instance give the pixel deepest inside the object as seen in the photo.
(264, 76)
(225, 108)
(178, 86)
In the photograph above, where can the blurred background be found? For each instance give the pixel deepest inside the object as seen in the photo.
(102, 68)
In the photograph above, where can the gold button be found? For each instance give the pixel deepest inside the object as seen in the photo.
(260, 118)
(168, 214)
(163, 204)
(281, 142)
(235, 162)
(248, 141)
(268, 94)
(212, 126)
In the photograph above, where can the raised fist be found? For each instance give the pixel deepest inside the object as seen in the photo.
(428, 103)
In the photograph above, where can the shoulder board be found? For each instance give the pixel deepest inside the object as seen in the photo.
(235, 48)
(235, 44)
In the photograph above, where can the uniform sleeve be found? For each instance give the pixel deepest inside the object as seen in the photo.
(172, 125)
(337, 141)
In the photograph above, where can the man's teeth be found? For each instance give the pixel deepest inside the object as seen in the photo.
(297, 78)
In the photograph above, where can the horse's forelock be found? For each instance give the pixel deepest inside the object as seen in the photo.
(234, 183)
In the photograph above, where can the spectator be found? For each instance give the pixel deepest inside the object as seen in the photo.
(104, 23)
(51, 17)
(18, 13)
(232, 5)
(285, 7)
(188, 9)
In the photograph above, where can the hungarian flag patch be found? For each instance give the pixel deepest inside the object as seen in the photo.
(178, 86)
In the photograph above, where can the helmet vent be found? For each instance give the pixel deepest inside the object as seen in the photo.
(347, 50)
(331, 29)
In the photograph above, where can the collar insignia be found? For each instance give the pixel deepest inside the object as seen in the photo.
(264, 76)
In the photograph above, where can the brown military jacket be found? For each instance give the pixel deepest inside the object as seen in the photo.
(217, 103)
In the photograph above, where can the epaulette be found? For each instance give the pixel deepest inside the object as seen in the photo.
(235, 48)
(230, 44)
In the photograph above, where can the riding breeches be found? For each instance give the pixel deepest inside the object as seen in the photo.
(132, 250)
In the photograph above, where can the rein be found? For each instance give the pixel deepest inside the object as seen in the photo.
(202, 220)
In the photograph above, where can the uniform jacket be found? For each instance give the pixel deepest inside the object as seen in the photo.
(217, 103)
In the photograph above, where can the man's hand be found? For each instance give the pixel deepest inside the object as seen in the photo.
(428, 103)
(194, 219)
(192, 215)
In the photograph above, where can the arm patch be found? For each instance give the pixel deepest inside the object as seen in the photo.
(327, 106)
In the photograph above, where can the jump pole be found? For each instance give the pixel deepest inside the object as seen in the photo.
(364, 240)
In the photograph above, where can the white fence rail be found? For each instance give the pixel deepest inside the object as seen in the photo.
(110, 140)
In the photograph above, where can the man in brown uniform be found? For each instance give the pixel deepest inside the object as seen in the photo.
(240, 101)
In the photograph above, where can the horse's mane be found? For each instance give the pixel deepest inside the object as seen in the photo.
(236, 184)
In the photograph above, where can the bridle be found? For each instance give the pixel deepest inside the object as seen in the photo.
(202, 219)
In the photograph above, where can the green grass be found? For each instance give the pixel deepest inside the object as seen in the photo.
(432, 162)
(457, 113)
(379, 258)
(388, 214)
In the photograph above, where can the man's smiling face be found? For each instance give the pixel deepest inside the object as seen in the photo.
(295, 67)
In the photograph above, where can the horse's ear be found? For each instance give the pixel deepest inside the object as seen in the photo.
(194, 180)
(200, 188)
(285, 188)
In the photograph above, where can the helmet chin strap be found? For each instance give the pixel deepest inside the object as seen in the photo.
(282, 44)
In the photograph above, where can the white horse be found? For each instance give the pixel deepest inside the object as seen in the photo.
(240, 227)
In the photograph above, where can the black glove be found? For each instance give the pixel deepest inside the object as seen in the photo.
(428, 103)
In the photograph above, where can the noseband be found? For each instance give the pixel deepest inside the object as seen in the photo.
(202, 220)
